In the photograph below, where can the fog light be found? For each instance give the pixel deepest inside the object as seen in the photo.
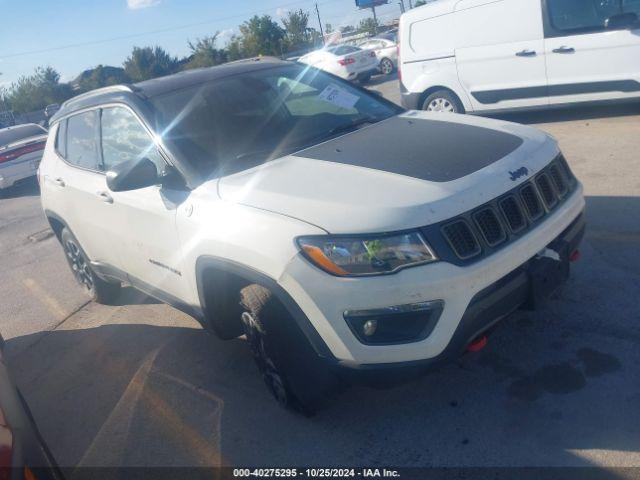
(396, 324)
(369, 327)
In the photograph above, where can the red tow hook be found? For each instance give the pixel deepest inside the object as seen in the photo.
(575, 256)
(478, 344)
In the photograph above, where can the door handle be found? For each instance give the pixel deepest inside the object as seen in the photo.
(526, 53)
(564, 49)
(105, 197)
(59, 182)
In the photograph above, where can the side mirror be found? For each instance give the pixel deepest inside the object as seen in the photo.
(132, 175)
(621, 21)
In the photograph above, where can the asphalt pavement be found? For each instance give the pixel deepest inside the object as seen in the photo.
(140, 383)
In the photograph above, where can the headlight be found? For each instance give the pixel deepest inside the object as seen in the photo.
(355, 255)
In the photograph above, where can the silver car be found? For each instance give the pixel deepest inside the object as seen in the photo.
(21, 148)
(386, 51)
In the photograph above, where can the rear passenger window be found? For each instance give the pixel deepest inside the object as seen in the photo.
(82, 141)
(61, 139)
(125, 139)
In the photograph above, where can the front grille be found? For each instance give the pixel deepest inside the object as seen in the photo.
(461, 239)
(559, 180)
(512, 212)
(546, 190)
(531, 202)
(490, 226)
(473, 235)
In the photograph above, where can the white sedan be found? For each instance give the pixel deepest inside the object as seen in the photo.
(345, 61)
(386, 52)
(21, 149)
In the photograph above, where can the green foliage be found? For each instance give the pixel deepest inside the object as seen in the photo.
(260, 35)
(100, 76)
(34, 92)
(328, 28)
(204, 53)
(149, 62)
(297, 31)
(347, 29)
(368, 26)
(419, 3)
(234, 48)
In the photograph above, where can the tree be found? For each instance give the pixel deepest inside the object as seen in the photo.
(261, 36)
(205, 54)
(328, 28)
(149, 62)
(347, 29)
(34, 92)
(368, 26)
(297, 31)
(234, 48)
(419, 3)
(100, 76)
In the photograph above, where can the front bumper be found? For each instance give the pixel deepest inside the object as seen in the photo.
(487, 307)
(323, 299)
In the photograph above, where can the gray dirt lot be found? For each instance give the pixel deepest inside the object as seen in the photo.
(141, 384)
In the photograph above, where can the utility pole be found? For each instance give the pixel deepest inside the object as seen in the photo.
(320, 23)
(375, 17)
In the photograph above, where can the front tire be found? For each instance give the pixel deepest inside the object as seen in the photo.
(443, 101)
(294, 374)
(99, 290)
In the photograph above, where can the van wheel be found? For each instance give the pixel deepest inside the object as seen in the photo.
(386, 66)
(98, 289)
(443, 101)
(294, 374)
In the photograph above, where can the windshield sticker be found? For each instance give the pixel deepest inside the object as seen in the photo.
(338, 96)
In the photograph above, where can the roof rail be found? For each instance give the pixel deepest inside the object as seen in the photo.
(98, 91)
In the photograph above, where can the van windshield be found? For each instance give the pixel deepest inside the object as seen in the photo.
(240, 121)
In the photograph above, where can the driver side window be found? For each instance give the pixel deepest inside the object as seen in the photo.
(125, 139)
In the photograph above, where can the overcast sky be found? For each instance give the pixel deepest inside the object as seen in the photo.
(34, 30)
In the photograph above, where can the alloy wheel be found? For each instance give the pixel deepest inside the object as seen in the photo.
(386, 66)
(79, 264)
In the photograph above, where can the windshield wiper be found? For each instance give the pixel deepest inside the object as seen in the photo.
(348, 127)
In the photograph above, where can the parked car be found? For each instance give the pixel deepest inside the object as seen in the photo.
(487, 56)
(23, 453)
(386, 53)
(21, 149)
(345, 61)
(347, 238)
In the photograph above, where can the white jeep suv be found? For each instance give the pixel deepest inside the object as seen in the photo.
(346, 237)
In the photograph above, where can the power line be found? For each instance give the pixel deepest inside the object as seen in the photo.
(151, 32)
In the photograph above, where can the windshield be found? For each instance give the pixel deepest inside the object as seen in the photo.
(13, 134)
(237, 122)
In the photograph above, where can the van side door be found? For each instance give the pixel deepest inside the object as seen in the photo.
(592, 49)
(500, 53)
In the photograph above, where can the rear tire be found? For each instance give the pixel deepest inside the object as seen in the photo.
(386, 66)
(294, 374)
(99, 290)
(443, 101)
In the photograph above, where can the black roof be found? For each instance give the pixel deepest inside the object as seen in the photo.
(159, 86)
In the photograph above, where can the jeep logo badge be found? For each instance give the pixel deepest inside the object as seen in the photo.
(516, 174)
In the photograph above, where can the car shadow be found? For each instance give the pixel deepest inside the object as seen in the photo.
(378, 79)
(553, 387)
(131, 296)
(573, 113)
(25, 188)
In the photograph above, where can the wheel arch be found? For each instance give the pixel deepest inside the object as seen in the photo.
(219, 270)
(56, 223)
(436, 88)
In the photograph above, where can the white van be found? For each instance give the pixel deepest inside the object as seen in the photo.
(490, 55)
